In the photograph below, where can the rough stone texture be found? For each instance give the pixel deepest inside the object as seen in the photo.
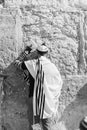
(7, 38)
(77, 95)
(59, 31)
(42, 21)
(72, 85)
(62, 24)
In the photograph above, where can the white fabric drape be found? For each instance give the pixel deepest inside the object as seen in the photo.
(52, 85)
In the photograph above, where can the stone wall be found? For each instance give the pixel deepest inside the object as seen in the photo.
(62, 24)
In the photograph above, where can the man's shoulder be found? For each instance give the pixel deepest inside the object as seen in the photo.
(30, 63)
(48, 64)
(45, 59)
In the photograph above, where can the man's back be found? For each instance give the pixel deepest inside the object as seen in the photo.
(52, 75)
(52, 85)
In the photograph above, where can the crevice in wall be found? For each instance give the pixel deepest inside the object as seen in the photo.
(81, 46)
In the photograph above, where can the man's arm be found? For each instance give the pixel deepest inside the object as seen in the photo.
(19, 62)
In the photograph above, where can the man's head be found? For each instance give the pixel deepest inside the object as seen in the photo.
(42, 49)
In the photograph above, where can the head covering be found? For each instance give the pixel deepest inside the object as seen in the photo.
(42, 48)
(83, 123)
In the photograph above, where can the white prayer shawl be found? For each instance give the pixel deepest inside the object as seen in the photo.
(52, 85)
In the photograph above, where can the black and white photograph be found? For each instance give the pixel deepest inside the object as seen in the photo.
(43, 64)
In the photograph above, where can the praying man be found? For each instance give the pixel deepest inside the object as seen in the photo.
(47, 85)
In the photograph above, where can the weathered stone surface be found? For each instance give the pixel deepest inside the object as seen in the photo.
(47, 24)
(11, 36)
(80, 4)
(58, 30)
(7, 40)
(71, 87)
(74, 97)
(63, 54)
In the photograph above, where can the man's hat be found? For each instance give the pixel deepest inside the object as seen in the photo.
(42, 48)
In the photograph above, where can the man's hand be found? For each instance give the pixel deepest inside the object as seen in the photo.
(18, 63)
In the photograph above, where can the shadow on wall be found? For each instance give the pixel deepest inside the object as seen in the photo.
(74, 113)
(82, 94)
(2, 2)
(14, 108)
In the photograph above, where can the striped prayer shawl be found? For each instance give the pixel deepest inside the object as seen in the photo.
(26, 76)
(39, 94)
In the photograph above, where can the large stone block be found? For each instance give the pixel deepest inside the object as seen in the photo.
(10, 36)
(63, 54)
